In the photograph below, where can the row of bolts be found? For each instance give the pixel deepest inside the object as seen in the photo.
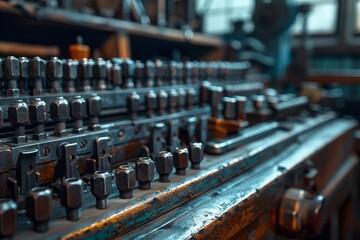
(21, 76)
(38, 201)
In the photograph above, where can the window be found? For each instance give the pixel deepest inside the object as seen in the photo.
(322, 17)
(357, 24)
(219, 14)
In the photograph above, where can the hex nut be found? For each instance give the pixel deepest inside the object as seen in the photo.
(145, 172)
(196, 154)
(94, 105)
(125, 177)
(78, 107)
(39, 208)
(101, 186)
(72, 193)
(18, 113)
(181, 160)
(164, 165)
(37, 111)
(59, 109)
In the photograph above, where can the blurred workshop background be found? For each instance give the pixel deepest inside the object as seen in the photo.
(268, 58)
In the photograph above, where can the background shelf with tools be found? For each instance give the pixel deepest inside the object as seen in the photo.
(116, 38)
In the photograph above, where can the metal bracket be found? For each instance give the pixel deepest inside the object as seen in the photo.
(66, 167)
(101, 155)
(25, 170)
(156, 139)
(173, 140)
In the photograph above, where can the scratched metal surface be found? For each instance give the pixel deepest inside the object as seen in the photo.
(125, 215)
(226, 210)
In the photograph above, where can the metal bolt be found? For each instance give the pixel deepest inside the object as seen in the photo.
(38, 116)
(196, 154)
(125, 177)
(11, 73)
(18, 114)
(78, 112)
(145, 172)
(181, 160)
(59, 112)
(54, 72)
(164, 165)
(72, 197)
(100, 185)
(38, 208)
(37, 75)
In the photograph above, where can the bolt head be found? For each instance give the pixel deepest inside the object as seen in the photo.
(145, 169)
(101, 184)
(115, 75)
(109, 67)
(70, 69)
(18, 113)
(37, 68)
(8, 217)
(125, 177)
(37, 111)
(172, 69)
(133, 102)
(151, 100)
(99, 69)
(150, 69)
(181, 97)
(54, 68)
(196, 152)
(139, 69)
(173, 98)
(179, 71)
(94, 105)
(72, 193)
(24, 67)
(190, 96)
(59, 109)
(78, 107)
(181, 158)
(164, 162)
(163, 99)
(11, 68)
(128, 68)
(85, 68)
(188, 69)
(38, 204)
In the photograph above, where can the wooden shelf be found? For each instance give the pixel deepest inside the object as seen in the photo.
(51, 26)
(110, 24)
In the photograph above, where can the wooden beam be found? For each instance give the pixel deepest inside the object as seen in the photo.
(118, 45)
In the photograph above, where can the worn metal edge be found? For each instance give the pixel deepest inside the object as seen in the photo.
(213, 213)
(124, 216)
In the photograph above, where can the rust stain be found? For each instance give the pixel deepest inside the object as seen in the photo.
(46, 172)
(117, 218)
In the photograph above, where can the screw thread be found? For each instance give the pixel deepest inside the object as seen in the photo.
(102, 203)
(73, 214)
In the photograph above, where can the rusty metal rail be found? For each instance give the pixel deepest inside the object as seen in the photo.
(125, 215)
(231, 207)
